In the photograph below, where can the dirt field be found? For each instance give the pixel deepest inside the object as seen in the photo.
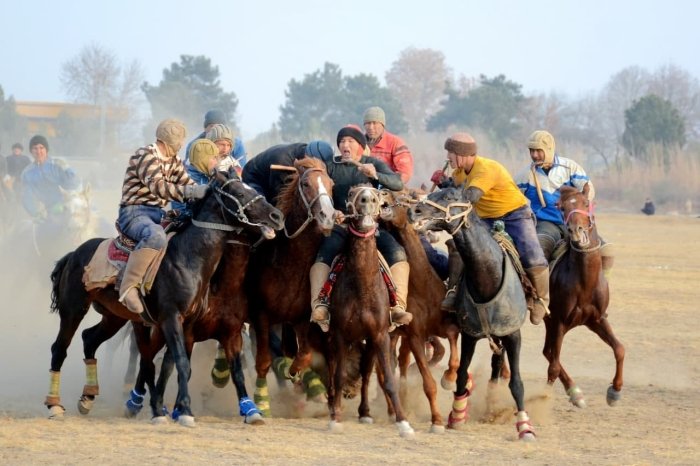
(654, 309)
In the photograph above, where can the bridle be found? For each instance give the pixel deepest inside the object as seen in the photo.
(239, 214)
(308, 204)
(350, 204)
(447, 217)
(591, 223)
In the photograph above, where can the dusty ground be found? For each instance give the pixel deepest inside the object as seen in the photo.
(654, 310)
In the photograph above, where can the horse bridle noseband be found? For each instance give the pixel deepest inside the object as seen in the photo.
(588, 213)
(239, 214)
(466, 206)
(308, 204)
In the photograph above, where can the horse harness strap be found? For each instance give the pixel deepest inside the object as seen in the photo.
(467, 206)
(307, 204)
(215, 226)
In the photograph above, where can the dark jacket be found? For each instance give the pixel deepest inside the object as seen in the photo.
(268, 182)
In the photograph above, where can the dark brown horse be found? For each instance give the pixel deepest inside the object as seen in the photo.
(426, 291)
(579, 294)
(179, 289)
(278, 276)
(359, 307)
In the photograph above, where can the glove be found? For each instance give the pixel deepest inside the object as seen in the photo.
(438, 177)
(195, 191)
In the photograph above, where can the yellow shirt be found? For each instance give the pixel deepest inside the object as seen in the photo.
(501, 194)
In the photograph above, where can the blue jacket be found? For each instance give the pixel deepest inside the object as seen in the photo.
(199, 178)
(40, 186)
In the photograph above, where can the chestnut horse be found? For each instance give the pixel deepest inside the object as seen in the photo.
(359, 307)
(490, 299)
(277, 281)
(579, 294)
(180, 286)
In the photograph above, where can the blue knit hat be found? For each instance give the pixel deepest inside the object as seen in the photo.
(213, 117)
(38, 139)
(320, 150)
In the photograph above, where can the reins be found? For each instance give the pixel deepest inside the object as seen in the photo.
(466, 206)
(308, 204)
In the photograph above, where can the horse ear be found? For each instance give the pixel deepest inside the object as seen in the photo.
(586, 189)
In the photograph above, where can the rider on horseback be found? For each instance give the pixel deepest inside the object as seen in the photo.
(154, 176)
(351, 169)
(540, 182)
(494, 194)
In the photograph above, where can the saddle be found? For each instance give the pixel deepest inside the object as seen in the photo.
(506, 243)
(337, 266)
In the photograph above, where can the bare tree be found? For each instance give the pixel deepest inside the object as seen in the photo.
(418, 80)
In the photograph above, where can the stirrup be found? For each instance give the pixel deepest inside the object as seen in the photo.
(324, 320)
(449, 301)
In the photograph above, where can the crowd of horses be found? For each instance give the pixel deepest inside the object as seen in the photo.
(232, 265)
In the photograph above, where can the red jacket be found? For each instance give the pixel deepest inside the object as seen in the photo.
(393, 151)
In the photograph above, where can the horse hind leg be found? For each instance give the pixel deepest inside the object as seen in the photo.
(449, 378)
(429, 385)
(603, 329)
(247, 408)
(366, 365)
(381, 345)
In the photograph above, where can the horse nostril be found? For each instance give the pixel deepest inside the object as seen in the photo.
(276, 217)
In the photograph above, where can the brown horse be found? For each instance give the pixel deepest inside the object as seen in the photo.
(278, 276)
(359, 306)
(579, 294)
(426, 291)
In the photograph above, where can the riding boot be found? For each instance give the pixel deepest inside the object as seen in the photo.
(455, 267)
(399, 273)
(539, 276)
(136, 268)
(319, 311)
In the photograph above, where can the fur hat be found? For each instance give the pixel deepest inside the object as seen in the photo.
(461, 144)
(38, 139)
(375, 114)
(213, 117)
(354, 132)
(319, 150)
(201, 153)
(544, 141)
(219, 132)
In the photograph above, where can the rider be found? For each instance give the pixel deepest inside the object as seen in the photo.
(211, 118)
(43, 180)
(222, 136)
(154, 176)
(350, 169)
(540, 182)
(260, 174)
(495, 196)
(387, 146)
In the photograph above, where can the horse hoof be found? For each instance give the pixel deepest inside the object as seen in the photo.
(576, 397)
(449, 385)
(366, 420)
(528, 437)
(159, 420)
(56, 412)
(335, 427)
(405, 429)
(255, 419)
(185, 420)
(437, 429)
(613, 396)
(85, 404)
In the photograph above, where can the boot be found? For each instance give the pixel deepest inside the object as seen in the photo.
(399, 273)
(539, 276)
(319, 311)
(136, 268)
(455, 267)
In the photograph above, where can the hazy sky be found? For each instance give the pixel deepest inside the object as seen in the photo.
(571, 47)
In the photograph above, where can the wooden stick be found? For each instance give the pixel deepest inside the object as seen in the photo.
(282, 167)
(444, 167)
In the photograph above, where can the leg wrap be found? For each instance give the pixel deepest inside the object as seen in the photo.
(523, 425)
(54, 396)
(91, 388)
(261, 397)
(460, 411)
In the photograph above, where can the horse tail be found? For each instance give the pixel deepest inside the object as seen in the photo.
(56, 280)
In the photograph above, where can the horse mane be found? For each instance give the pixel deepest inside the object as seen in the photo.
(288, 194)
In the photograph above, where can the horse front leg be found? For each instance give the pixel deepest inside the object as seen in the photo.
(554, 339)
(603, 329)
(335, 384)
(247, 408)
(366, 365)
(174, 336)
(512, 345)
(381, 345)
(263, 361)
(449, 378)
(460, 404)
(417, 346)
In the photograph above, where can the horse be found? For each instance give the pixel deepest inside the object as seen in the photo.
(426, 291)
(278, 275)
(359, 306)
(179, 288)
(490, 299)
(579, 295)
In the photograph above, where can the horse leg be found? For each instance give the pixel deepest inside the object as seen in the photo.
(335, 385)
(498, 366)
(417, 346)
(381, 346)
(512, 344)
(263, 361)
(93, 337)
(381, 379)
(130, 375)
(302, 360)
(460, 405)
(366, 365)
(404, 359)
(173, 333)
(449, 378)
(232, 346)
(554, 339)
(603, 329)
(438, 351)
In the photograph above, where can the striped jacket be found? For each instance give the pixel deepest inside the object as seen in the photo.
(564, 172)
(153, 180)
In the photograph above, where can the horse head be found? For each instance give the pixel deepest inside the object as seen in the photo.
(245, 205)
(577, 211)
(76, 209)
(364, 205)
(395, 207)
(312, 188)
(445, 209)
